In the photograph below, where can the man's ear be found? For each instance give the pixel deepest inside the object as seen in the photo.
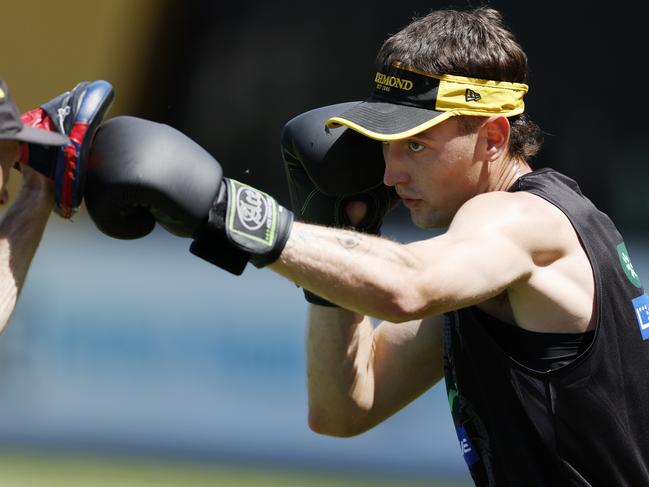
(495, 131)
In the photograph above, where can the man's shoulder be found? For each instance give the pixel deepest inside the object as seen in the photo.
(502, 207)
(522, 217)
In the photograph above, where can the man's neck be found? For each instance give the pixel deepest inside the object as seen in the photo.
(505, 172)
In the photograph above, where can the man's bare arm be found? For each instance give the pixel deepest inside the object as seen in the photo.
(477, 258)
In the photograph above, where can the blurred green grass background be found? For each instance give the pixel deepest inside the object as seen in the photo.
(19, 469)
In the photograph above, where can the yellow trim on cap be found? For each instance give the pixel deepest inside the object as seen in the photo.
(2, 93)
(335, 122)
(475, 96)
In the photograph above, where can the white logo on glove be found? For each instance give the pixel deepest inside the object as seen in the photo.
(62, 114)
(252, 208)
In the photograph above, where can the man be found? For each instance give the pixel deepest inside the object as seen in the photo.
(53, 173)
(504, 304)
(528, 305)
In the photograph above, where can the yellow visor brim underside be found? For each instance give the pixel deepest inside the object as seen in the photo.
(335, 122)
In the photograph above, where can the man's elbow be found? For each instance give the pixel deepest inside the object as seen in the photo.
(401, 306)
(343, 427)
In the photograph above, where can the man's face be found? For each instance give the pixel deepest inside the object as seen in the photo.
(9, 155)
(435, 172)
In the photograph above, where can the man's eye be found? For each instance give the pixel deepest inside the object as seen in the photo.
(415, 146)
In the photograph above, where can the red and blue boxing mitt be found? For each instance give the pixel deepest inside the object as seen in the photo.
(77, 114)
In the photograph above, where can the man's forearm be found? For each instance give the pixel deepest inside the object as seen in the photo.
(21, 230)
(339, 367)
(320, 259)
(359, 374)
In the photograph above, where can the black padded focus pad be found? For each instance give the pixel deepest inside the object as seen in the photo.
(140, 172)
(339, 161)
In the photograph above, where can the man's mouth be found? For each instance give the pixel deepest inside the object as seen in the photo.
(410, 202)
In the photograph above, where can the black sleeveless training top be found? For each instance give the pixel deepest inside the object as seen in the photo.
(582, 424)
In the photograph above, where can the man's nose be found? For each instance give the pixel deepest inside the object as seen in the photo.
(395, 171)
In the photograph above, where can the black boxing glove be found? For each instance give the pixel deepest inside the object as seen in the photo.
(328, 168)
(253, 222)
(141, 172)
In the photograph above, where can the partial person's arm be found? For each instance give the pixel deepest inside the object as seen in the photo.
(21, 230)
(359, 375)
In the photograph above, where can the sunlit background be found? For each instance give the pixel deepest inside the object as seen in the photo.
(135, 363)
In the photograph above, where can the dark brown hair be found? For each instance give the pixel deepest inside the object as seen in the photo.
(472, 43)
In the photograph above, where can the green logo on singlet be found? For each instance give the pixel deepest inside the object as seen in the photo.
(452, 393)
(452, 396)
(625, 260)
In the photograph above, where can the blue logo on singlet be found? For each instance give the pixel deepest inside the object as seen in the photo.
(466, 447)
(641, 306)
